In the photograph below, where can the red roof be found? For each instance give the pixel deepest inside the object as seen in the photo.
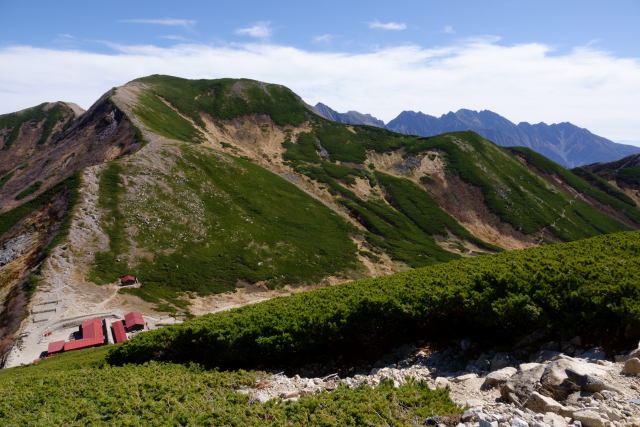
(128, 279)
(92, 328)
(83, 343)
(55, 347)
(133, 319)
(118, 331)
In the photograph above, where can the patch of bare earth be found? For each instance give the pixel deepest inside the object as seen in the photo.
(462, 201)
(64, 292)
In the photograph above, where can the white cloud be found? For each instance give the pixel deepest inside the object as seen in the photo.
(448, 29)
(186, 23)
(324, 38)
(260, 30)
(390, 26)
(173, 37)
(524, 82)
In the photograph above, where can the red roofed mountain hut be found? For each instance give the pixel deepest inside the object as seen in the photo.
(55, 347)
(119, 334)
(133, 321)
(128, 280)
(92, 335)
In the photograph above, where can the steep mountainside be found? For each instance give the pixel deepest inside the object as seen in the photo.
(199, 187)
(563, 143)
(619, 176)
(350, 117)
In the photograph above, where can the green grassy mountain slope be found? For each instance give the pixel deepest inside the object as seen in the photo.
(621, 178)
(588, 287)
(241, 183)
(184, 217)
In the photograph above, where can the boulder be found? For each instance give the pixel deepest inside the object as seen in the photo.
(588, 418)
(555, 381)
(543, 404)
(554, 420)
(520, 386)
(587, 382)
(632, 366)
(498, 377)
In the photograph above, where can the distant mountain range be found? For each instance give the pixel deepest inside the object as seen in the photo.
(350, 117)
(564, 143)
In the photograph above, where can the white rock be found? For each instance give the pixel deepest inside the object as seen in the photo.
(529, 366)
(632, 366)
(543, 404)
(589, 418)
(465, 377)
(519, 422)
(554, 420)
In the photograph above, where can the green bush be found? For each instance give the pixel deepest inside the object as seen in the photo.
(77, 389)
(588, 287)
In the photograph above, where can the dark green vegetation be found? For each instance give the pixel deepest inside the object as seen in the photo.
(215, 221)
(588, 287)
(111, 264)
(604, 186)
(13, 122)
(10, 218)
(78, 388)
(580, 185)
(423, 210)
(221, 99)
(29, 190)
(511, 190)
(4, 178)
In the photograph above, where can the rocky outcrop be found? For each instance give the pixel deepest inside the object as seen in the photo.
(559, 390)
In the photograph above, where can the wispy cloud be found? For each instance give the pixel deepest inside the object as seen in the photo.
(324, 38)
(174, 37)
(172, 22)
(448, 29)
(589, 87)
(389, 26)
(260, 30)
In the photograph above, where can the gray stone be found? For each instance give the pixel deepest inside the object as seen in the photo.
(554, 420)
(471, 415)
(520, 386)
(543, 404)
(632, 366)
(519, 422)
(586, 382)
(588, 418)
(593, 354)
(466, 377)
(498, 377)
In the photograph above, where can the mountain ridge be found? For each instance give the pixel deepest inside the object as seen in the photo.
(205, 187)
(562, 142)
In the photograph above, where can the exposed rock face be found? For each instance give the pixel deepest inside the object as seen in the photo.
(101, 134)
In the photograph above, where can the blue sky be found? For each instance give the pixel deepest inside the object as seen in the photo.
(535, 61)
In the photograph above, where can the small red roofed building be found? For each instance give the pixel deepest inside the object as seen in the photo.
(92, 335)
(128, 280)
(133, 321)
(119, 334)
(55, 347)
